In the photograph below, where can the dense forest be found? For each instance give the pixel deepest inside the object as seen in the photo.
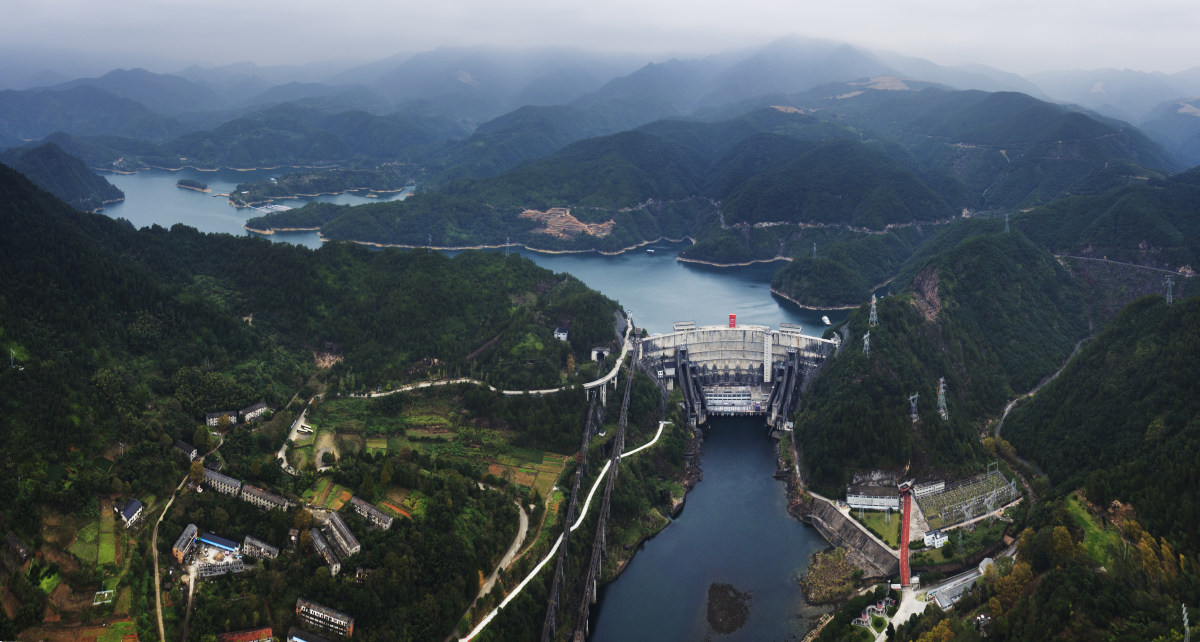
(1126, 416)
(991, 313)
(128, 337)
(67, 177)
(1150, 223)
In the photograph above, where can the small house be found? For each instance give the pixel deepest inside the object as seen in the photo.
(935, 539)
(130, 512)
(187, 449)
(560, 333)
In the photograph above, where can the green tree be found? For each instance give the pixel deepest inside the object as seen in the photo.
(367, 490)
(196, 472)
(201, 439)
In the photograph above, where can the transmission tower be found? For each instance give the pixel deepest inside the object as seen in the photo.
(942, 410)
(874, 319)
(1170, 288)
(814, 250)
(1187, 632)
(867, 344)
(1006, 222)
(912, 400)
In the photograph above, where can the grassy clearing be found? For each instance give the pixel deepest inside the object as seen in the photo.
(124, 601)
(107, 552)
(48, 584)
(887, 529)
(363, 416)
(985, 533)
(114, 632)
(1096, 539)
(377, 444)
(84, 546)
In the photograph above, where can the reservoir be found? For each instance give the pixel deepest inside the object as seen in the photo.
(152, 197)
(734, 530)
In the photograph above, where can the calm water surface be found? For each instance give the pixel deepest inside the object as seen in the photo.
(734, 529)
(151, 197)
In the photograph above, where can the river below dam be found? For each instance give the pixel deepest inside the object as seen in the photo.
(726, 568)
(734, 538)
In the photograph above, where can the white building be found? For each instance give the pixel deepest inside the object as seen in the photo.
(935, 539)
(873, 497)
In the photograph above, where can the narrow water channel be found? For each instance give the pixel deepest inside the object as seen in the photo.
(735, 532)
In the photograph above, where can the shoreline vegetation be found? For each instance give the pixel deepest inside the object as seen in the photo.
(196, 186)
(372, 193)
(208, 169)
(459, 248)
(774, 259)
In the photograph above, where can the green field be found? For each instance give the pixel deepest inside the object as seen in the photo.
(378, 443)
(107, 553)
(84, 546)
(875, 520)
(1096, 539)
(357, 415)
(327, 494)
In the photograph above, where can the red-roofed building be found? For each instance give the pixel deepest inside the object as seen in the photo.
(250, 635)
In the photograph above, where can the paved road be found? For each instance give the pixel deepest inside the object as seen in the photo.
(154, 546)
(554, 549)
(545, 391)
(162, 635)
(505, 562)
(905, 497)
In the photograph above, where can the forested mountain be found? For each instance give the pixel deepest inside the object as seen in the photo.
(284, 134)
(161, 93)
(63, 175)
(128, 337)
(83, 111)
(106, 322)
(1175, 124)
(1007, 149)
(1154, 222)
(1123, 419)
(662, 180)
(990, 312)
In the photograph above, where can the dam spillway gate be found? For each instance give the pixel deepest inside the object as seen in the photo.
(735, 370)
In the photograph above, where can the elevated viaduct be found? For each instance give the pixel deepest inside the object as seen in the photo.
(735, 369)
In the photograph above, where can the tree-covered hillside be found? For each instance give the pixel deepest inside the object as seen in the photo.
(123, 334)
(1123, 419)
(991, 313)
(669, 179)
(1153, 222)
(63, 175)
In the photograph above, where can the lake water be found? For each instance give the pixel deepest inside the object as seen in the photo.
(734, 528)
(152, 197)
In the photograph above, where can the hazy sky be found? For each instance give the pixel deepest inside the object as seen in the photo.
(1015, 35)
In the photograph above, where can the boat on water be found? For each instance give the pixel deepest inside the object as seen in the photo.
(826, 320)
(650, 250)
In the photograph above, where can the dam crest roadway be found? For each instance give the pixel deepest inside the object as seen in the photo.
(736, 369)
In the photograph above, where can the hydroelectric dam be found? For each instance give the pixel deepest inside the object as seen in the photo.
(736, 369)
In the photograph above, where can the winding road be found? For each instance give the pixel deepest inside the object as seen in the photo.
(554, 549)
